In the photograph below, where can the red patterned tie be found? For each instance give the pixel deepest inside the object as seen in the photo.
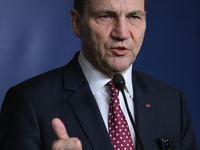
(118, 128)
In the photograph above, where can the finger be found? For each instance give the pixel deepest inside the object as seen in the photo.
(67, 144)
(59, 129)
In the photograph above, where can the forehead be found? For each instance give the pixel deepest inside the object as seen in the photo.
(95, 5)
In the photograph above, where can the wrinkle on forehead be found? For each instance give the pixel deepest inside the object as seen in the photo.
(118, 6)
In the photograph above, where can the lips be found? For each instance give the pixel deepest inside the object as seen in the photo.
(120, 50)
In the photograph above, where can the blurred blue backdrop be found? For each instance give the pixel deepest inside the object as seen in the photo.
(36, 36)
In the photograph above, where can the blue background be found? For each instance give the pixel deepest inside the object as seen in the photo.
(36, 36)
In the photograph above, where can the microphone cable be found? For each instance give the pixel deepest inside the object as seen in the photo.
(119, 83)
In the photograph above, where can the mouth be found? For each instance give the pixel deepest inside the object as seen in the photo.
(120, 50)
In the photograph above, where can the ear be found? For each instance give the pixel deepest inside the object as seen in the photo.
(76, 22)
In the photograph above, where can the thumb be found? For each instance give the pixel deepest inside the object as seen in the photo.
(59, 129)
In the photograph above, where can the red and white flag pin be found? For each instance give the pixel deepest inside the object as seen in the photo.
(148, 105)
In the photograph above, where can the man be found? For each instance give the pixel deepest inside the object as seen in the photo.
(111, 33)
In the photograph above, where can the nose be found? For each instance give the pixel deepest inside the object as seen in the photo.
(120, 30)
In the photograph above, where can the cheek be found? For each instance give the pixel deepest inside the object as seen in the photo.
(138, 36)
(98, 41)
(93, 42)
(142, 38)
(100, 35)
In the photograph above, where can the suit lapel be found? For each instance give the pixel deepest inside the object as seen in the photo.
(145, 116)
(84, 106)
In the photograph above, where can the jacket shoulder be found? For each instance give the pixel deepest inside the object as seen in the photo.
(44, 78)
(147, 82)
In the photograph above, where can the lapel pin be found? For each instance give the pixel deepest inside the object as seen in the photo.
(148, 105)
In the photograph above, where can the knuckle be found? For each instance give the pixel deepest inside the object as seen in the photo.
(77, 142)
(56, 146)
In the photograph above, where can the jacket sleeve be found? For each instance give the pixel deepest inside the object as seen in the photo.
(18, 123)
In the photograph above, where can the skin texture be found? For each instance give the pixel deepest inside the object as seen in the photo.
(111, 33)
(64, 142)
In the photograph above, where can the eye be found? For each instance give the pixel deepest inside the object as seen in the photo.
(105, 17)
(135, 17)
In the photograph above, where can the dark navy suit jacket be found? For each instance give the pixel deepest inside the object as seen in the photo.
(29, 107)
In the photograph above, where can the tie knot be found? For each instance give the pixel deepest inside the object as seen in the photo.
(113, 90)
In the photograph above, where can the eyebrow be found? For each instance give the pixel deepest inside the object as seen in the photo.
(105, 12)
(135, 12)
(139, 12)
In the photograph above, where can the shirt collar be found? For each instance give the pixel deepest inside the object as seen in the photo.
(97, 79)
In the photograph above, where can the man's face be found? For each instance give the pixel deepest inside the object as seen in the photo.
(112, 33)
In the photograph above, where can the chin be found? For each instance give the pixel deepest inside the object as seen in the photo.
(120, 69)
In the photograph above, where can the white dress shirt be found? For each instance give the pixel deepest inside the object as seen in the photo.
(97, 81)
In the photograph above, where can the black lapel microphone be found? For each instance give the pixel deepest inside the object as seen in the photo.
(119, 83)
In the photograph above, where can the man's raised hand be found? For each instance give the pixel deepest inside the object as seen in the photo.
(64, 142)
